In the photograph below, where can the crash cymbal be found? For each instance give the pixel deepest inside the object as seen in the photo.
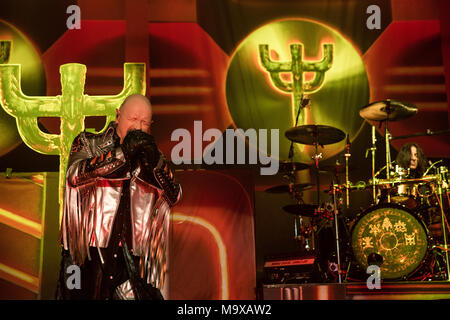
(306, 210)
(284, 188)
(293, 166)
(388, 110)
(315, 134)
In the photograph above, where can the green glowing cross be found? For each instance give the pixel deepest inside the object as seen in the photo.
(72, 106)
(297, 67)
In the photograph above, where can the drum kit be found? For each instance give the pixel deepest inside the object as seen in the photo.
(403, 231)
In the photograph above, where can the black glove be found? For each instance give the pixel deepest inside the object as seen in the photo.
(133, 145)
(149, 158)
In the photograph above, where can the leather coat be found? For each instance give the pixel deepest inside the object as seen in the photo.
(95, 174)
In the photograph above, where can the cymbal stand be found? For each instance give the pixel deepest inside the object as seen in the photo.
(316, 158)
(373, 150)
(388, 155)
(337, 233)
(291, 176)
(347, 181)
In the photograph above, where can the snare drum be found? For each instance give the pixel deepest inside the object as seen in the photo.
(411, 193)
(396, 234)
(405, 194)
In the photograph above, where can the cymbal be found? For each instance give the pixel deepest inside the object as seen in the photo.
(396, 181)
(358, 186)
(293, 166)
(284, 188)
(388, 110)
(306, 210)
(312, 134)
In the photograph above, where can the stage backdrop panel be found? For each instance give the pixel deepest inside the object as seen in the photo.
(29, 250)
(212, 247)
(212, 237)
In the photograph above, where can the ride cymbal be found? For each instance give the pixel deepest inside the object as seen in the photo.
(391, 110)
(315, 134)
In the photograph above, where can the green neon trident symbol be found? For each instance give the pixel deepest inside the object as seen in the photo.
(72, 106)
(297, 67)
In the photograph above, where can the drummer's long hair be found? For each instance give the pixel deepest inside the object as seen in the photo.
(404, 158)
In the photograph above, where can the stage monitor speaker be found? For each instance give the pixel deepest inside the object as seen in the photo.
(289, 269)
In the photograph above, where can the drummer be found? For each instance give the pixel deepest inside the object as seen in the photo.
(410, 164)
(412, 157)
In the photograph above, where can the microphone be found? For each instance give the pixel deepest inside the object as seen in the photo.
(291, 151)
(305, 100)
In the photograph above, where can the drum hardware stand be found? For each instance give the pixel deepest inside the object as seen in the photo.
(347, 182)
(388, 157)
(304, 234)
(437, 255)
(348, 271)
(337, 232)
(431, 166)
(304, 101)
(444, 219)
(316, 158)
(373, 150)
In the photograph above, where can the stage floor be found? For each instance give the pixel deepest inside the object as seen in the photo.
(424, 290)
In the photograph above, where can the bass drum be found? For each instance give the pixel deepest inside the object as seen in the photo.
(396, 234)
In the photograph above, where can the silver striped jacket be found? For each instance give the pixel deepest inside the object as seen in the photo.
(95, 174)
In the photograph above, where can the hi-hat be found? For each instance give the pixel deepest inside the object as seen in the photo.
(307, 210)
(315, 134)
(285, 188)
(293, 166)
(388, 110)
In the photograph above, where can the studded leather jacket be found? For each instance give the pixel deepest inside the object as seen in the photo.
(95, 176)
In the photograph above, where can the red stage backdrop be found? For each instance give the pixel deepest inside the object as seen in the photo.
(212, 237)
